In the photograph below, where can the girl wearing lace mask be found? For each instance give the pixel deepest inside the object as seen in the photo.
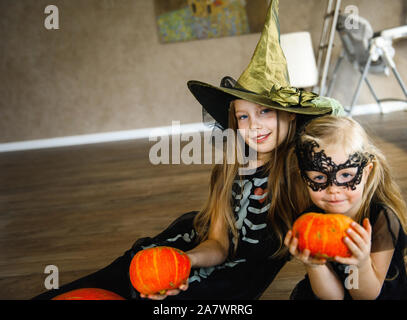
(343, 172)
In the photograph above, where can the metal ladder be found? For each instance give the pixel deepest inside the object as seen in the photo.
(326, 44)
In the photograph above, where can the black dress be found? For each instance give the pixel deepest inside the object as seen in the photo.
(245, 274)
(387, 234)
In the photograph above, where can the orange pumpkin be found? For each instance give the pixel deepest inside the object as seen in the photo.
(322, 234)
(158, 269)
(88, 294)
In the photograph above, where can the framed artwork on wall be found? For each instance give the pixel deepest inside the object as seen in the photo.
(185, 20)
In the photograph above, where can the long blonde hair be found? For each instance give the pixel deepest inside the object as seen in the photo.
(219, 201)
(349, 135)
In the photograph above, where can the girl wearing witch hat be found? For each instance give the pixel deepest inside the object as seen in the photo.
(235, 243)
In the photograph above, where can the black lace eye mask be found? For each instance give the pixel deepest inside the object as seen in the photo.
(319, 171)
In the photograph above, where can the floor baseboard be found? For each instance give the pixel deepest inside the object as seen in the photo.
(158, 131)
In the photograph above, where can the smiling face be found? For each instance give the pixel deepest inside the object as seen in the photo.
(258, 126)
(338, 187)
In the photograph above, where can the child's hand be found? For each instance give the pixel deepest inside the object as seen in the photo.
(359, 243)
(292, 243)
(172, 292)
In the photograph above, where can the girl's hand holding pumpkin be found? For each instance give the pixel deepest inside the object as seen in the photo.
(172, 292)
(292, 244)
(359, 243)
(159, 272)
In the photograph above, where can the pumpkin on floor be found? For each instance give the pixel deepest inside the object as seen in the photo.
(88, 294)
(158, 269)
(322, 234)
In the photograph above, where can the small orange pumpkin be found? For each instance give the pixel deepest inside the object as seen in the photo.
(158, 269)
(88, 294)
(322, 234)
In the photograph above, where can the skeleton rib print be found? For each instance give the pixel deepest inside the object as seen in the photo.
(249, 204)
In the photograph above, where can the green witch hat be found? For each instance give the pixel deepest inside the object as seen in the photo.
(265, 82)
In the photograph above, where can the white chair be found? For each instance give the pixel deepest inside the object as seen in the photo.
(302, 68)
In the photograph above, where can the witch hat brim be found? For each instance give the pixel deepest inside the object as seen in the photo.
(216, 101)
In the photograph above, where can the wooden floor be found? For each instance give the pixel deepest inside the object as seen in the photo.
(79, 208)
